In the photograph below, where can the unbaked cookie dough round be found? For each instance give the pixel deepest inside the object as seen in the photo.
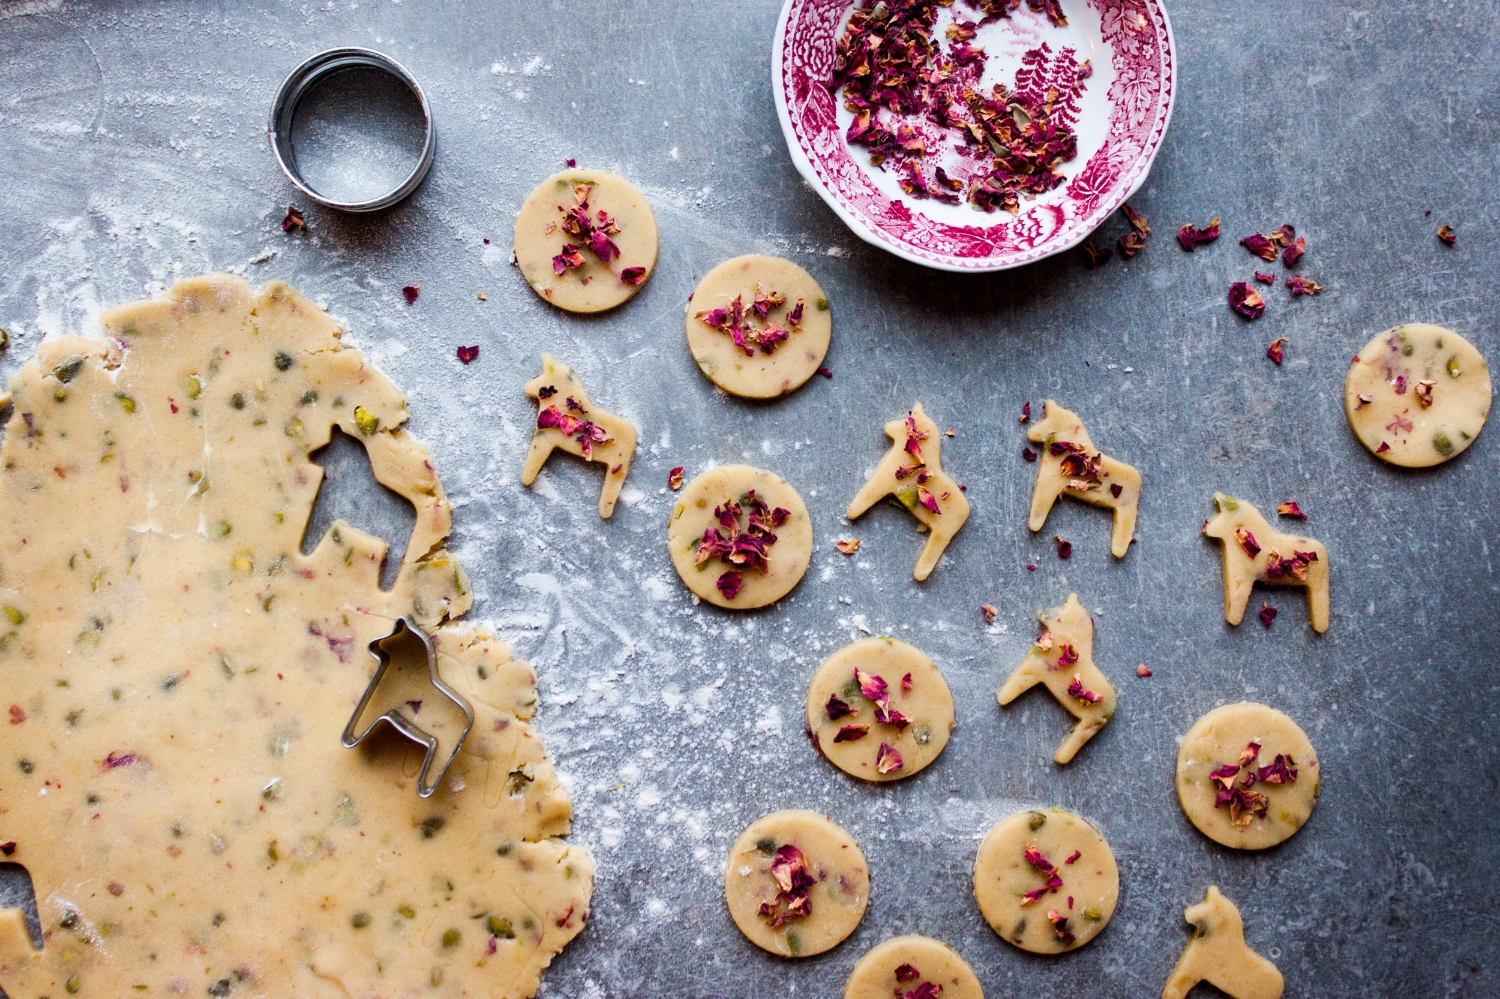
(1046, 881)
(782, 319)
(903, 965)
(1417, 395)
(761, 538)
(796, 884)
(879, 709)
(1247, 776)
(586, 240)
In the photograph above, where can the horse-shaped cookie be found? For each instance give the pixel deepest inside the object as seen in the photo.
(1218, 954)
(1063, 659)
(566, 419)
(912, 471)
(1255, 552)
(1070, 465)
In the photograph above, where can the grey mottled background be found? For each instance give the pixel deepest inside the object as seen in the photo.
(132, 152)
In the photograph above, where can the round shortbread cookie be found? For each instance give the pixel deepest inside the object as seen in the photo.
(611, 255)
(1417, 395)
(1046, 881)
(903, 965)
(860, 736)
(761, 558)
(782, 322)
(1214, 765)
(796, 884)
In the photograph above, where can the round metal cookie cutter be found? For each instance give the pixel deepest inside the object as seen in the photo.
(351, 129)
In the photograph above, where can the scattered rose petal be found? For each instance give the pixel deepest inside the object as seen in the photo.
(1283, 235)
(1247, 541)
(837, 707)
(1030, 567)
(789, 869)
(826, 373)
(633, 275)
(1064, 548)
(849, 733)
(1071, 860)
(1076, 689)
(1267, 614)
(905, 972)
(890, 716)
(1134, 241)
(1060, 926)
(906, 684)
(1026, 412)
(990, 612)
(17, 714)
(1096, 256)
(482, 297)
(887, 760)
(1190, 237)
(1115, 489)
(1294, 252)
(294, 220)
(847, 546)
(1275, 352)
(1290, 509)
(1265, 278)
(112, 761)
(411, 291)
(729, 584)
(1259, 245)
(1142, 671)
(1446, 234)
(674, 479)
(572, 163)
(1246, 300)
(1027, 454)
(1423, 392)
(1303, 286)
(1383, 447)
(873, 687)
(468, 354)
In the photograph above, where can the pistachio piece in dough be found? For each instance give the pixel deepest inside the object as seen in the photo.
(1247, 776)
(1218, 954)
(566, 419)
(1256, 552)
(905, 965)
(912, 471)
(1063, 659)
(1070, 465)
(879, 709)
(1046, 881)
(740, 537)
(758, 326)
(796, 884)
(1417, 395)
(183, 671)
(586, 240)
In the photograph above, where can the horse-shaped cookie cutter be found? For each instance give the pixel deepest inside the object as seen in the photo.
(401, 715)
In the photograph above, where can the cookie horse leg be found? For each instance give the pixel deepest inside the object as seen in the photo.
(536, 457)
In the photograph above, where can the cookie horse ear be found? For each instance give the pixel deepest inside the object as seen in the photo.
(406, 678)
(1218, 954)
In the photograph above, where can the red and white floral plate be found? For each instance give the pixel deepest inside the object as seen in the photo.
(1122, 118)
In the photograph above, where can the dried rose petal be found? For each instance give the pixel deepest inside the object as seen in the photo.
(1250, 753)
(1267, 614)
(1383, 447)
(849, 733)
(1362, 400)
(729, 584)
(1282, 770)
(1446, 234)
(837, 708)
(790, 872)
(1060, 926)
(906, 684)
(1265, 278)
(1423, 392)
(293, 220)
(1259, 245)
(891, 716)
(1142, 671)
(1247, 541)
(633, 275)
(1225, 774)
(1294, 251)
(8, 848)
(1096, 255)
(674, 479)
(1190, 237)
(1064, 548)
(887, 760)
(570, 259)
(989, 611)
(825, 372)
(1290, 509)
(1027, 454)
(1044, 641)
(468, 354)
(1076, 689)
(925, 497)
(1246, 300)
(410, 292)
(848, 547)
(1066, 656)
(905, 972)
(1275, 351)
(1026, 412)
(873, 687)
(1283, 235)
(112, 761)
(1303, 286)
(571, 163)
(1076, 854)
(1115, 489)
(927, 990)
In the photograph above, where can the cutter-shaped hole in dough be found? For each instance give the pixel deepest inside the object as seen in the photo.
(17, 893)
(350, 492)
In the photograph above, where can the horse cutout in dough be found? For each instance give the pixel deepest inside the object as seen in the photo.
(406, 679)
(912, 471)
(566, 419)
(1063, 659)
(1218, 954)
(1254, 551)
(1070, 465)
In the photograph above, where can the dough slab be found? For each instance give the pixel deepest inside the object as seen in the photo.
(1417, 395)
(595, 283)
(850, 728)
(1216, 743)
(765, 367)
(904, 965)
(823, 891)
(1030, 852)
(721, 580)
